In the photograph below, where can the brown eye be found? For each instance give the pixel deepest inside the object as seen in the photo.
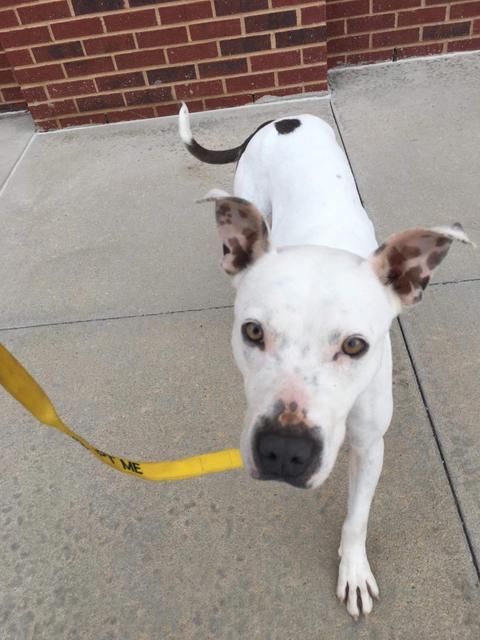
(354, 346)
(253, 332)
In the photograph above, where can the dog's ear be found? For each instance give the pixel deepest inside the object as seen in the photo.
(242, 230)
(407, 260)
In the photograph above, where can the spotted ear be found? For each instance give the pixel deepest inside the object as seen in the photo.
(407, 260)
(242, 230)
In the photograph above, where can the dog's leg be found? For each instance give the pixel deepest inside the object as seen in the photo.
(367, 422)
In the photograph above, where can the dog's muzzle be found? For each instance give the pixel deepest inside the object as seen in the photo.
(290, 453)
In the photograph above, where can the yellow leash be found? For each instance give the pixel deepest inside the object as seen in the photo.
(20, 384)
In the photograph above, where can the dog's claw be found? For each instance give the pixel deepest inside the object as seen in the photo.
(356, 585)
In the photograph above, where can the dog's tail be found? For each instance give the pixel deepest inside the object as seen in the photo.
(210, 156)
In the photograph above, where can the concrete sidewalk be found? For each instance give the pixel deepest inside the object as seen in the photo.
(111, 295)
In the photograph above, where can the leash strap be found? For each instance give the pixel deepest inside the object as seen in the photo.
(19, 383)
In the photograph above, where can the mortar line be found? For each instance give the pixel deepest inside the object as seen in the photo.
(107, 318)
(423, 396)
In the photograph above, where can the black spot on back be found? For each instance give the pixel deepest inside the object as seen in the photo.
(288, 125)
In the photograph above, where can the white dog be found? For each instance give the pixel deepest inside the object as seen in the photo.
(314, 304)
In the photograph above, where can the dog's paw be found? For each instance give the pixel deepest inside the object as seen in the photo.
(356, 585)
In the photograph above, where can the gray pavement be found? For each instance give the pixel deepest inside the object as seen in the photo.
(100, 225)
(15, 133)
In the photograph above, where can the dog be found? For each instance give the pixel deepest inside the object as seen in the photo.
(315, 298)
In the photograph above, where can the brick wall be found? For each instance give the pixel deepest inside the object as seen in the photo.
(11, 98)
(95, 61)
(361, 31)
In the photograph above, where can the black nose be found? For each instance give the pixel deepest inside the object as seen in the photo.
(288, 456)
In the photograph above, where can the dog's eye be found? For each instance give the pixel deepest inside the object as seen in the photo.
(354, 346)
(253, 332)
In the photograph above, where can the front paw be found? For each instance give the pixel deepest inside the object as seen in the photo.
(356, 584)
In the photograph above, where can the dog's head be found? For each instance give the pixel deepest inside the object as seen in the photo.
(310, 333)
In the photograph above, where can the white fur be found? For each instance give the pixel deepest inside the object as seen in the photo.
(310, 291)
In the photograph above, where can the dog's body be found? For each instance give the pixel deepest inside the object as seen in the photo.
(315, 301)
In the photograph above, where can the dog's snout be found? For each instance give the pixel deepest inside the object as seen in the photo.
(287, 454)
(284, 456)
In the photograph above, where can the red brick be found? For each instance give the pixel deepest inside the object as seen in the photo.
(310, 35)
(193, 105)
(172, 74)
(7, 77)
(170, 109)
(32, 75)
(192, 52)
(198, 89)
(106, 101)
(270, 21)
(336, 28)
(76, 28)
(139, 59)
(284, 3)
(312, 55)
(244, 45)
(58, 51)
(19, 57)
(305, 74)
(8, 19)
(399, 36)
(88, 67)
(120, 81)
(371, 23)
(369, 57)
(350, 43)
(317, 86)
(34, 94)
(227, 101)
(472, 44)
(420, 50)
(228, 7)
(336, 61)
(131, 20)
(24, 37)
(250, 82)
(476, 26)
(442, 31)
(347, 9)
(223, 67)
(215, 29)
(159, 94)
(14, 3)
(92, 6)
(12, 94)
(78, 121)
(395, 5)
(185, 12)
(44, 12)
(52, 109)
(109, 44)
(12, 106)
(162, 37)
(466, 10)
(422, 16)
(275, 60)
(313, 15)
(68, 89)
(131, 114)
(47, 125)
